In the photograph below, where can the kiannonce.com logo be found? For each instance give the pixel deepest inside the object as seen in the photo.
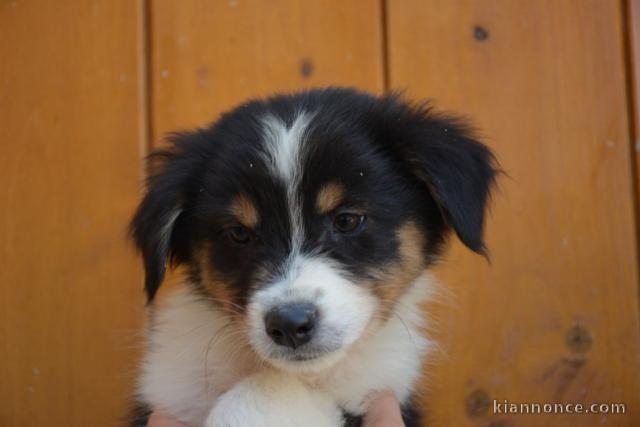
(507, 407)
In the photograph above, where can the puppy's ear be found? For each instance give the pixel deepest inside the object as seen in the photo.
(458, 170)
(172, 175)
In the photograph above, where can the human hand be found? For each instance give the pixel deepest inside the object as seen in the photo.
(384, 411)
(159, 419)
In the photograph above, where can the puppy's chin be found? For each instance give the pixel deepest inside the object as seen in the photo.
(311, 364)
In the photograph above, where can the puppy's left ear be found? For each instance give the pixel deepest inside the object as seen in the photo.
(459, 171)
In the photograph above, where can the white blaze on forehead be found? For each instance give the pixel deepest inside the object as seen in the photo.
(284, 145)
(284, 151)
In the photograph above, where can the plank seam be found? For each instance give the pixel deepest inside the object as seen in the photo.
(631, 64)
(384, 26)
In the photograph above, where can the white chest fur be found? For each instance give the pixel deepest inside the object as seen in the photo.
(195, 355)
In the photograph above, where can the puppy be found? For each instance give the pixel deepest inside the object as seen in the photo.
(307, 224)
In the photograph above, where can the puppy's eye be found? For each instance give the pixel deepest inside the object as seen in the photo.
(347, 222)
(239, 234)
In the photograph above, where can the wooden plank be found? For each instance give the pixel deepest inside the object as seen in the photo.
(554, 318)
(633, 70)
(210, 56)
(70, 87)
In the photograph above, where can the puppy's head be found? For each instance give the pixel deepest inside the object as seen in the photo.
(308, 216)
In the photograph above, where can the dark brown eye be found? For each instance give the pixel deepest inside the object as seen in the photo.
(239, 234)
(347, 222)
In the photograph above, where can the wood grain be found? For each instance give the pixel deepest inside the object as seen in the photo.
(209, 56)
(71, 288)
(632, 34)
(554, 317)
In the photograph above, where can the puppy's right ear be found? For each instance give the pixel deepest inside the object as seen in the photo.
(172, 172)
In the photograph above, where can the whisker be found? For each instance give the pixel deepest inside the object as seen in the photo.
(213, 339)
(415, 346)
(238, 307)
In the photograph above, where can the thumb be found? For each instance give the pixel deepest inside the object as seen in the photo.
(384, 411)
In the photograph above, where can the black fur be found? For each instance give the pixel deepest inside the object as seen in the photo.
(398, 162)
(140, 416)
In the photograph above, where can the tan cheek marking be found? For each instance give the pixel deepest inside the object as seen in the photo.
(245, 211)
(220, 291)
(392, 281)
(329, 197)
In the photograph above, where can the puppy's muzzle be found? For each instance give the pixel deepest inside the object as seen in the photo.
(291, 325)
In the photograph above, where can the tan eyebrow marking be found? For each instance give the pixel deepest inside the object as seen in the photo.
(243, 208)
(329, 197)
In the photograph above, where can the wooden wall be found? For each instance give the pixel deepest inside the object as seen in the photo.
(87, 87)
(72, 125)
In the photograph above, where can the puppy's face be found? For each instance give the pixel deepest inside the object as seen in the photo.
(306, 217)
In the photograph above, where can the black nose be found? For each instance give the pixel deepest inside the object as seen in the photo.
(291, 325)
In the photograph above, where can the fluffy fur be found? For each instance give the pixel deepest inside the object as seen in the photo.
(321, 209)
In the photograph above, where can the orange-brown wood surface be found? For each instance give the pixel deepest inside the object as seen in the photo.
(554, 317)
(210, 56)
(70, 287)
(633, 68)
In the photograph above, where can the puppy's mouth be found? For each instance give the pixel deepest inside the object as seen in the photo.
(302, 355)
(304, 360)
(305, 357)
